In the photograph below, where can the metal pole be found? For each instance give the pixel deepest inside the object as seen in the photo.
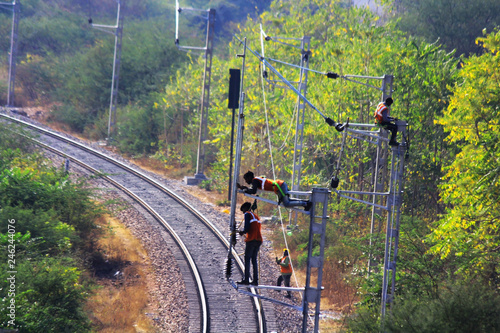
(312, 294)
(380, 173)
(13, 52)
(116, 71)
(231, 158)
(392, 228)
(299, 127)
(239, 142)
(205, 97)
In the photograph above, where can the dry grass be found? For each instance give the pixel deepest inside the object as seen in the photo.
(119, 305)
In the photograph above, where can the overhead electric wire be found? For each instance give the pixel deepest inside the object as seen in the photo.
(274, 176)
(328, 120)
(299, 67)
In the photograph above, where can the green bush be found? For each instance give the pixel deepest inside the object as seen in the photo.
(137, 129)
(49, 296)
(50, 215)
(458, 308)
(68, 114)
(46, 191)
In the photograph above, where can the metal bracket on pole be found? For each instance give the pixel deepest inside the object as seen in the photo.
(117, 31)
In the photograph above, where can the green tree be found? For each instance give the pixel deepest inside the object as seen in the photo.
(469, 231)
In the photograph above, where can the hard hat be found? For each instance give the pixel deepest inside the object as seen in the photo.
(285, 249)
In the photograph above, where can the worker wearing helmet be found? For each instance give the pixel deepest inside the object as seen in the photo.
(277, 186)
(253, 241)
(382, 119)
(286, 271)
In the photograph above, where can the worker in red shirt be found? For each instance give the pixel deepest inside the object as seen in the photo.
(253, 241)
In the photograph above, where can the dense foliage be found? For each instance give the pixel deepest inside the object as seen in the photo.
(469, 231)
(46, 218)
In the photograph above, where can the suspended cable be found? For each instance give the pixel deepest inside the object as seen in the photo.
(328, 120)
(274, 177)
(300, 67)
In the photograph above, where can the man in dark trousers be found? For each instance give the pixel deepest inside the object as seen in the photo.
(253, 241)
(382, 119)
(286, 271)
(277, 186)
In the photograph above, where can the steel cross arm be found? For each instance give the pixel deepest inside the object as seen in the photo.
(291, 38)
(181, 9)
(362, 125)
(192, 48)
(265, 62)
(365, 84)
(363, 192)
(362, 201)
(300, 192)
(273, 202)
(104, 27)
(280, 288)
(235, 286)
(276, 39)
(364, 77)
(365, 133)
(297, 66)
(364, 139)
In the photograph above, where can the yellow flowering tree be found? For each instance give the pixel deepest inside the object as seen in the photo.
(471, 187)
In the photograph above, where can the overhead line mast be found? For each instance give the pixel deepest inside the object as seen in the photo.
(117, 31)
(317, 233)
(13, 50)
(205, 92)
(390, 200)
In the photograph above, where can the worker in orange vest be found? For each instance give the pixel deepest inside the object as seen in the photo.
(286, 271)
(382, 119)
(277, 186)
(253, 241)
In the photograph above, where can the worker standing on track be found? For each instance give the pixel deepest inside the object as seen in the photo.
(382, 119)
(253, 241)
(277, 186)
(286, 271)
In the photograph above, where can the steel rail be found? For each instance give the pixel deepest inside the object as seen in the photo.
(257, 306)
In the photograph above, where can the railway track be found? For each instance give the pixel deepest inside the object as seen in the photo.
(214, 306)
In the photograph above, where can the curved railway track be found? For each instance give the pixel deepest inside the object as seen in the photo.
(214, 306)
